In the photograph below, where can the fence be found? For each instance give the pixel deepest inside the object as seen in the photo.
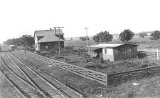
(103, 78)
(78, 94)
(90, 74)
(131, 75)
(152, 53)
(79, 48)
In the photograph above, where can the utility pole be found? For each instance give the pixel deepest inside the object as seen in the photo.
(86, 36)
(59, 46)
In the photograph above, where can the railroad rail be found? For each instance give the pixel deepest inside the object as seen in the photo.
(15, 81)
(35, 80)
(62, 89)
(32, 81)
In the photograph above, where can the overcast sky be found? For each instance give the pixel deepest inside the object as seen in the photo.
(19, 17)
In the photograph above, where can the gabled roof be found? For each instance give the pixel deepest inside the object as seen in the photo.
(49, 39)
(50, 32)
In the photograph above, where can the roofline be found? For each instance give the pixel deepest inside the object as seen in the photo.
(116, 46)
(51, 41)
(43, 30)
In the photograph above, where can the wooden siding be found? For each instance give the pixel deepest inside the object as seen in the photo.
(122, 52)
(125, 52)
(50, 45)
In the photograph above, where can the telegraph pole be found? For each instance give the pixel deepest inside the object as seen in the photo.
(86, 36)
(59, 46)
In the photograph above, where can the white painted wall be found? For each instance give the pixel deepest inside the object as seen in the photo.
(108, 54)
(36, 43)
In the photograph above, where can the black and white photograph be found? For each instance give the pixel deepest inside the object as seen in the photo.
(79, 49)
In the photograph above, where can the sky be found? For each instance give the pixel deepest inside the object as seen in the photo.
(20, 17)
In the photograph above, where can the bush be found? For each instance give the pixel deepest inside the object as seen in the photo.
(59, 57)
(155, 35)
(103, 37)
(142, 54)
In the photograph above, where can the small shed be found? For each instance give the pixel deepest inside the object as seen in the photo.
(113, 52)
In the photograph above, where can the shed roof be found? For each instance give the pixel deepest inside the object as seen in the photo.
(108, 45)
(105, 45)
(49, 39)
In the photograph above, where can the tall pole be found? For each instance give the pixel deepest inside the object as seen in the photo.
(55, 30)
(59, 44)
(86, 36)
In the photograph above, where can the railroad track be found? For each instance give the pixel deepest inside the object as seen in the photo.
(21, 86)
(33, 79)
(73, 93)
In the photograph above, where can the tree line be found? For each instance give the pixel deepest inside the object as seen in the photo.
(103, 36)
(124, 36)
(25, 40)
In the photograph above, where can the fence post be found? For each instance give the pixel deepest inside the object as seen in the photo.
(107, 79)
(157, 54)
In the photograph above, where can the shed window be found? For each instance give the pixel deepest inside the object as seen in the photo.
(106, 51)
(109, 51)
(116, 51)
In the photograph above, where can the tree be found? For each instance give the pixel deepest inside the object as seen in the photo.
(14, 41)
(126, 35)
(103, 37)
(155, 35)
(142, 35)
(84, 38)
(25, 40)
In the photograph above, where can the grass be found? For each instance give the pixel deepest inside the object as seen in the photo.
(145, 42)
(83, 85)
(82, 60)
(7, 90)
(147, 87)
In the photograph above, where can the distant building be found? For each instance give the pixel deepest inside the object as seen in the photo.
(4, 47)
(48, 39)
(147, 32)
(115, 36)
(113, 52)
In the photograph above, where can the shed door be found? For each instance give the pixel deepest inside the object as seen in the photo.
(108, 54)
